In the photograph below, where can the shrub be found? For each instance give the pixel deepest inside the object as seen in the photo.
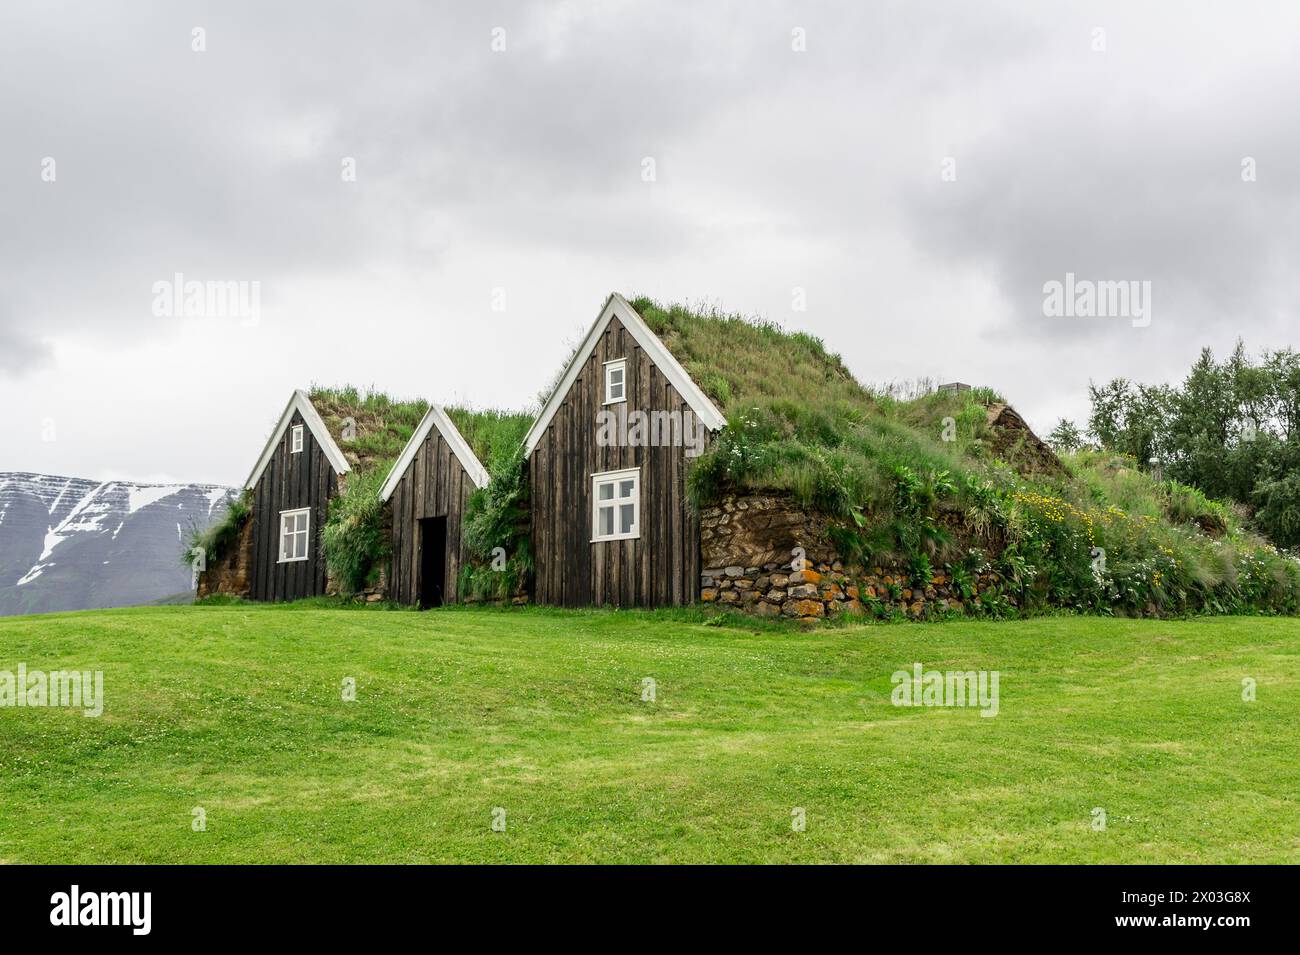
(1187, 505)
(353, 538)
(1279, 512)
(217, 539)
(494, 530)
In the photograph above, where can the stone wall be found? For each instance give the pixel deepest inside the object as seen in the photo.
(751, 546)
(229, 573)
(830, 589)
(757, 530)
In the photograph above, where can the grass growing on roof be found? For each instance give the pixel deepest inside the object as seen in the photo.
(916, 481)
(490, 433)
(797, 418)
(380, 425)
(737, 360)
(354, 541)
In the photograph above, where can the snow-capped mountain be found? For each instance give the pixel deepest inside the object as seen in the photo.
(73, 544)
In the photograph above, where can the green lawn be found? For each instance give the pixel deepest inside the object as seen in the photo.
(239, 710)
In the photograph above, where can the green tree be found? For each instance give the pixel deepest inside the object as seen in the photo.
(1230, 429)
(1066, 436)
(1129, 418)
(1279, 511)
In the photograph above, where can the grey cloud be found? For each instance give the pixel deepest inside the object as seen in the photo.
(19, 353)
(776, 169)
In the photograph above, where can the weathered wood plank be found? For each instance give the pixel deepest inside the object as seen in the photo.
(435, 484)
(661, 566)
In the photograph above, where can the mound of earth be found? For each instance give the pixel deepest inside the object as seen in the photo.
(1015, 442)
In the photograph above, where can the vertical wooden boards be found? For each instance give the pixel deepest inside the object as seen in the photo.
(659, 568)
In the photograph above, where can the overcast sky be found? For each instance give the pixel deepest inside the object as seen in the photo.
(919, 170)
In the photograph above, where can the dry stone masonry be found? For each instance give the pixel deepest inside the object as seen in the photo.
(228, 574)
(764, 556)
(827, 590)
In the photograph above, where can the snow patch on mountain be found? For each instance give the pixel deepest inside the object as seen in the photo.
(31, 575)
(59, 497)
(218, 496)
(90, 514)
(143, 496)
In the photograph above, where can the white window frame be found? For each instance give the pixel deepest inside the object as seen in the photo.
(614, 477)
(295, 439)
(305, 532)
(619, 364)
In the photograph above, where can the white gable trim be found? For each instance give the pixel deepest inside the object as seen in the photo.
(435, 416)
(617, 306)
(301, 404)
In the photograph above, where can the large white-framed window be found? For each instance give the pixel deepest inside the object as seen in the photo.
(295, 532)
(295, 439)
(616, 505)
(615, 381)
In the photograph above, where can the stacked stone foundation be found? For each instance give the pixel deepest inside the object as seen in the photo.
(765, 556)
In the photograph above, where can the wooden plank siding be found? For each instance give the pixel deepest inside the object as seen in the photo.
(662, 566)
(435, 484)
(290, 481)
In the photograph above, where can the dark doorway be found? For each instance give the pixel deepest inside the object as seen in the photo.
(433, 561)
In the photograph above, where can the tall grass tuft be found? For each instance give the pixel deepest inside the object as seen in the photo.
(353, 539)
(217, 539)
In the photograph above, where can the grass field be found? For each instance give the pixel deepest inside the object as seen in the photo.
(239, 710)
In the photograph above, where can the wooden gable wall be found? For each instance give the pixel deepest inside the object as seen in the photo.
(290, 481)
(662, 566)
(435, 484)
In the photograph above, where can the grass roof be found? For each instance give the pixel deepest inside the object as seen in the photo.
(737, 360)
(799, 420)
(493, 435)
(383, 426)
(921, 478)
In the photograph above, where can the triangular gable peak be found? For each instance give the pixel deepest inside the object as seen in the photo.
(618, 307)
(435, 417)
(301, 404)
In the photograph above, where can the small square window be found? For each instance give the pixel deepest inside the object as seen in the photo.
(294, 534)
(616, 505)
(295, 440)
(615, 381)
